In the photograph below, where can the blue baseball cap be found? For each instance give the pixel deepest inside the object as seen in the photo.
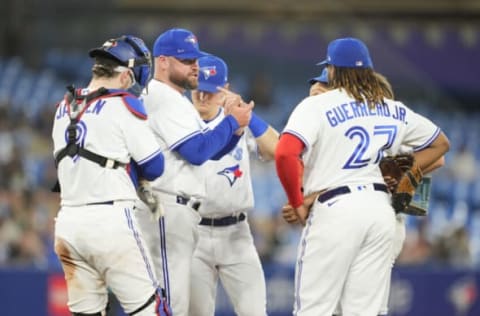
(179, 43)
(323, 78)
(348, 52)
(213, 73)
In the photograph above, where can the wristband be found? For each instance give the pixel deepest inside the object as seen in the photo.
(257, 125)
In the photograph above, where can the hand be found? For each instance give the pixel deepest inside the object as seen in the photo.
(295, 215)
(146, 194)
(242, 114)
(231, 100)
(302, 213)
(235, 106)
(391, 183)
(289, 214)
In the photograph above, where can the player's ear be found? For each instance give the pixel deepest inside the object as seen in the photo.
(161, 62)
(126, 79)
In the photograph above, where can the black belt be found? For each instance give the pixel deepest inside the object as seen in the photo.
(184, 201)
(345, 190)
(223, 221)
(101, 203)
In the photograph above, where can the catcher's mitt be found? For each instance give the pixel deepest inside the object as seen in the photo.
(402, 175)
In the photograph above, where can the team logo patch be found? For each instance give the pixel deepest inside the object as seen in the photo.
(231, 173)
(110, 43)
(209, 71)
(191, 39)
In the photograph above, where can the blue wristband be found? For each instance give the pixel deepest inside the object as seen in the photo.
(257, 125)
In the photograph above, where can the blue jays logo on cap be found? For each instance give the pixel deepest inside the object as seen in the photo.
(208, 71)
(348, 52)
(231, 173)
(191, 39)
(213, 73)
(179, 43)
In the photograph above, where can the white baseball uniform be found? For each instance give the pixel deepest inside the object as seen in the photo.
(173, 119)
(345, 251)
(225, 249)
(96, 235)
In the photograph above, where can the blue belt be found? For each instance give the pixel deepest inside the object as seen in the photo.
(330, 194)
(223, 221)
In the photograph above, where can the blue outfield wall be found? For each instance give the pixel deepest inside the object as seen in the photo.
(415, 292)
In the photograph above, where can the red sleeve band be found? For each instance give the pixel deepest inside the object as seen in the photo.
(290, 167)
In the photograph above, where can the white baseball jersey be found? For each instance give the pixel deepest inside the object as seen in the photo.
(350, 235)
(229, 185)
(109, 129)
(174, 120)
(228, 253)
(345, 141)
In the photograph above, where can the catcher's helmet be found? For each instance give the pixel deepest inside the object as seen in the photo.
(129, 51)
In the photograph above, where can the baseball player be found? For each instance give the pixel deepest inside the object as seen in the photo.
(225, 250)
(96, 132)
(319, 85)
(187, 144)
(333, 143)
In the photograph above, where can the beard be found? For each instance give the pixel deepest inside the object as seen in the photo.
(187, 82)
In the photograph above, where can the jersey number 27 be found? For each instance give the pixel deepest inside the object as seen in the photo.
(359, 158)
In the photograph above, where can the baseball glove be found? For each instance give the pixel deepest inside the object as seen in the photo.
(402, 176)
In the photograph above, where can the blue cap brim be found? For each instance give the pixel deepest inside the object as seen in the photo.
(325, 62)
(191, 55)
(320, 79)
(207, 87)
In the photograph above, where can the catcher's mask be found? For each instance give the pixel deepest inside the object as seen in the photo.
(129, 51)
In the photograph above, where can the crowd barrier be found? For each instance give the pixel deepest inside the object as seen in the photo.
(415, 292)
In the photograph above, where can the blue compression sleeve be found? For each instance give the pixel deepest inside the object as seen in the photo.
(204, 146)
(228, 148)
(153, 168)
(257, 125)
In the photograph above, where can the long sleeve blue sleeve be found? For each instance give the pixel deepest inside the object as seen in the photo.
(149, 170)
(205, 146)
(228, 148)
